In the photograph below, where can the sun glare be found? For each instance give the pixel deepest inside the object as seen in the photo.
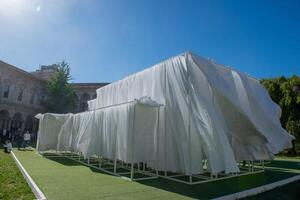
(13, 8)
(11, 4)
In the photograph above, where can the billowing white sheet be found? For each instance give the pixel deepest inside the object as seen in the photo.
(211, 113)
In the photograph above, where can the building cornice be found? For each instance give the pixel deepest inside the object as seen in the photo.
(18, 70)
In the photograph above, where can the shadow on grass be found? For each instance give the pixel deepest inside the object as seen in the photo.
(205, 190)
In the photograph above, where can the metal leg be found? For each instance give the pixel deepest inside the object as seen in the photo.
(249, 166)
(131, 172)
(115, 165)
(99, 158)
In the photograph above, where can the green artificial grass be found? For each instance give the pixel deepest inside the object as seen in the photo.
(285, 164)
(290, 191)
(61, 178)
(12, 184)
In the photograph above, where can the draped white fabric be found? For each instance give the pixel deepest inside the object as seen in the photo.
(210, 113)
(126, 132)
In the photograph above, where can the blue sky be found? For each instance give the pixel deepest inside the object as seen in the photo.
(105, 40)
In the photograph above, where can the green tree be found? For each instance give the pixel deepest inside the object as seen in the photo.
(286, 93)
(60, 94)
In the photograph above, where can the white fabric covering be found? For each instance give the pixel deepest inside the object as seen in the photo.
(211, 112)
(122, 131)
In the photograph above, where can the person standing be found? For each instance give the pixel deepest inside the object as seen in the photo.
(26, 139)
(8, 134)
(18, 138)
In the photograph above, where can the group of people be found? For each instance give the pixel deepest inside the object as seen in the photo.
(19, 138)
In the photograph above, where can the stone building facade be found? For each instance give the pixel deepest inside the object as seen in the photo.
(85, 92)
(22, 93)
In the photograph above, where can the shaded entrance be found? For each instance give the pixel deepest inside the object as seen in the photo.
(29, 123)
(17, 121)
(4, 119)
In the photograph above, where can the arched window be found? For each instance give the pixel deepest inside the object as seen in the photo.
(83, 102)
(32, 97)
(6, 91)
(41, 96)
(20, 94)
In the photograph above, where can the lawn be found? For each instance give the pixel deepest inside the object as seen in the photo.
(12, 184)
(290, 191)
(61, 178)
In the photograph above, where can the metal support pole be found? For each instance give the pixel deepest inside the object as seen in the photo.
(189, 127)
(115, 165)
(133, 135)
(165, 128)
(99, 158)
(157, 140)
(165, 163)
(115, 160)
(131, 172)
(249, 166)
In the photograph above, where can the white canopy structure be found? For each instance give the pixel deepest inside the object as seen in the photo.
(211, 114)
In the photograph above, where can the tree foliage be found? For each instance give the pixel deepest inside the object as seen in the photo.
(60, 94)
(286, 93)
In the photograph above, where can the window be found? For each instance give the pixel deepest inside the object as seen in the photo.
(41, 97)
(20, 94)
(6, 91)
(32, 96)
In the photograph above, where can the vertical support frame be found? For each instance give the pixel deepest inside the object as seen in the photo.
(189, 122)
(132, 140)
(165, 126)
(157, 140)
